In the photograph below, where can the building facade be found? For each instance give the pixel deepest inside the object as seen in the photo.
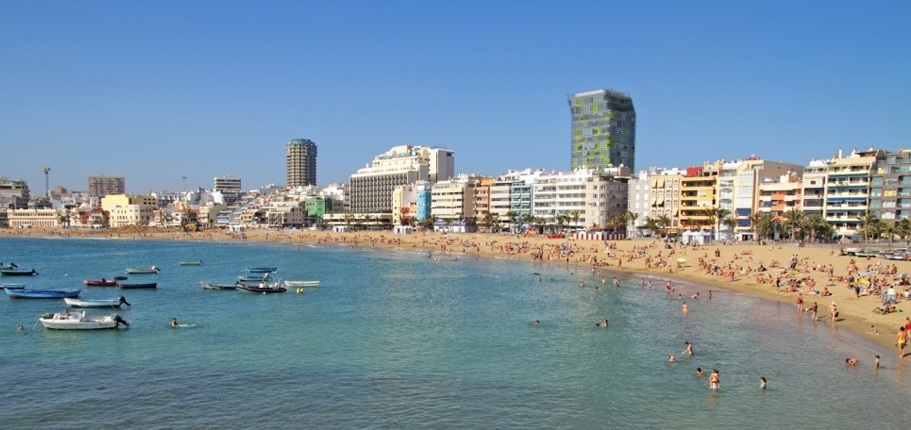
(300, 155)
(847, 196)
(603, 129)
(372, 186)
(129, 209)
(100, 186)
(890, 187)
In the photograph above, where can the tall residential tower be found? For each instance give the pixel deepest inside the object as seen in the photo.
(603, 129)
(301, 159)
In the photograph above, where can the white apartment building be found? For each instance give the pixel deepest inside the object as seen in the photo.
(639, 202)
(372, 186)
(584, 198)
(454, 199)
(814, 186)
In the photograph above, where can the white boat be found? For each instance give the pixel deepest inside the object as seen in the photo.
(301, 284)
(79, 321)
(105, 303)
(142, 271)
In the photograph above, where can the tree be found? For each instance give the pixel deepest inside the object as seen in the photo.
(512, 215)
(629, 218)
(664, 224)
(817, 226)
(903, 229)
(869, 223)
(793, 220)
(575, 215)
(731, 222)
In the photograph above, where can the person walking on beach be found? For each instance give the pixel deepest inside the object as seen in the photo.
(814, 309)
(833, 311)
(901, 341)
(799, 302)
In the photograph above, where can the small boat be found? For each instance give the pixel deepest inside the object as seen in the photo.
(263, 288)
(144, 271)
(190, 263)
(107, 303)
(8, 266)
(25, 293)
(79, 321)
(136, 285)
(100, 282)
(13, 286)
(18, 272)
(253, 279)
(301, 284)
(262, 269)
(208, 286)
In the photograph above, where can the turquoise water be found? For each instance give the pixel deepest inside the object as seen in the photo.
(393, 340)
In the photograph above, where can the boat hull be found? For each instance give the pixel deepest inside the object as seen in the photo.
(100, 283)
(301, 284)
(149, 271)
(133, 286)
(207, 286)
(190, 263)
(107, 304)
(14, 272)
(76, 321)
(258, 289)
(25, 293)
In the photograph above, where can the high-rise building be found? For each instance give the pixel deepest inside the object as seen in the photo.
(301, 162)
(603, 129)
(372, 186)
(100, 186)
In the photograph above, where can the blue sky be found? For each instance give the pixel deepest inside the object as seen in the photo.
(155, 91)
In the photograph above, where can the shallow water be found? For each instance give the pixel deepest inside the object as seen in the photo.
(393, 340)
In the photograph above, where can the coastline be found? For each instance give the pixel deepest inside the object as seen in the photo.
(645, 257)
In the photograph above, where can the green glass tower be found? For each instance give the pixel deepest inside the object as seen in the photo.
(603, 129)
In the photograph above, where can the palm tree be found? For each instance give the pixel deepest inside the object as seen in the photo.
(629, 218)
(903, 229)
(663, 222)
(793, 219)
(867, 224)
(711, 213)
(575, 215)
(512, 215)
(764, 226)
(721, 214)
(817, 226)
(731, 221)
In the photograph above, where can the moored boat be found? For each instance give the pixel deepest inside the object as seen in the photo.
(136, 285)
(103, 282)
(247, 279)
(25, 293)
(190, 263)
(208, 286)
(142, 271)
(79, 321)
(263, 288)
(97, 303)
(262, 269)
(18, 272)
(13, 286)
(301, 284)
(8, 266)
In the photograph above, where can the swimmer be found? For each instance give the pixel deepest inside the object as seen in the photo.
(715, 380)
(174, 323)
(762, 383)
(581, 284)
(603, 323)
(616, 282)
(699, 372)
(695, 296)
(710, 294)
(689, 348)
(851, 362)
(686, 308)
(536, 322)
(20, 328)
(671, 358)
(876, 361)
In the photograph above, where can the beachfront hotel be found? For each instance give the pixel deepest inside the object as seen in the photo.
(603, 129)
(300, 155)
(371, 187)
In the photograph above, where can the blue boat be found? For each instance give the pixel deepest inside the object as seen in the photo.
(26, 293)
(262, 269)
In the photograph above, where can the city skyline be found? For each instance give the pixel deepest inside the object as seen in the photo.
(161, 92)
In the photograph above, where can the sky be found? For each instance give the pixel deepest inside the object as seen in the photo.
(170, 94)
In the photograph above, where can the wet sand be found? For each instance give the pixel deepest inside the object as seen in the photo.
(734, 267)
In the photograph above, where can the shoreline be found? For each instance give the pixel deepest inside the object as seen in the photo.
(710, 265)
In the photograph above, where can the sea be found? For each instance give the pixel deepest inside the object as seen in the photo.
(393, 339)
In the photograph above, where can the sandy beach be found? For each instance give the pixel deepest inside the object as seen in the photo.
(781, 272)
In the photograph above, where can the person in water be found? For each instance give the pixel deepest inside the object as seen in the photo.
(762, 383)
(715, 380)
(536, 322)
(699, 372)
(174, 323)
(851, 361)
